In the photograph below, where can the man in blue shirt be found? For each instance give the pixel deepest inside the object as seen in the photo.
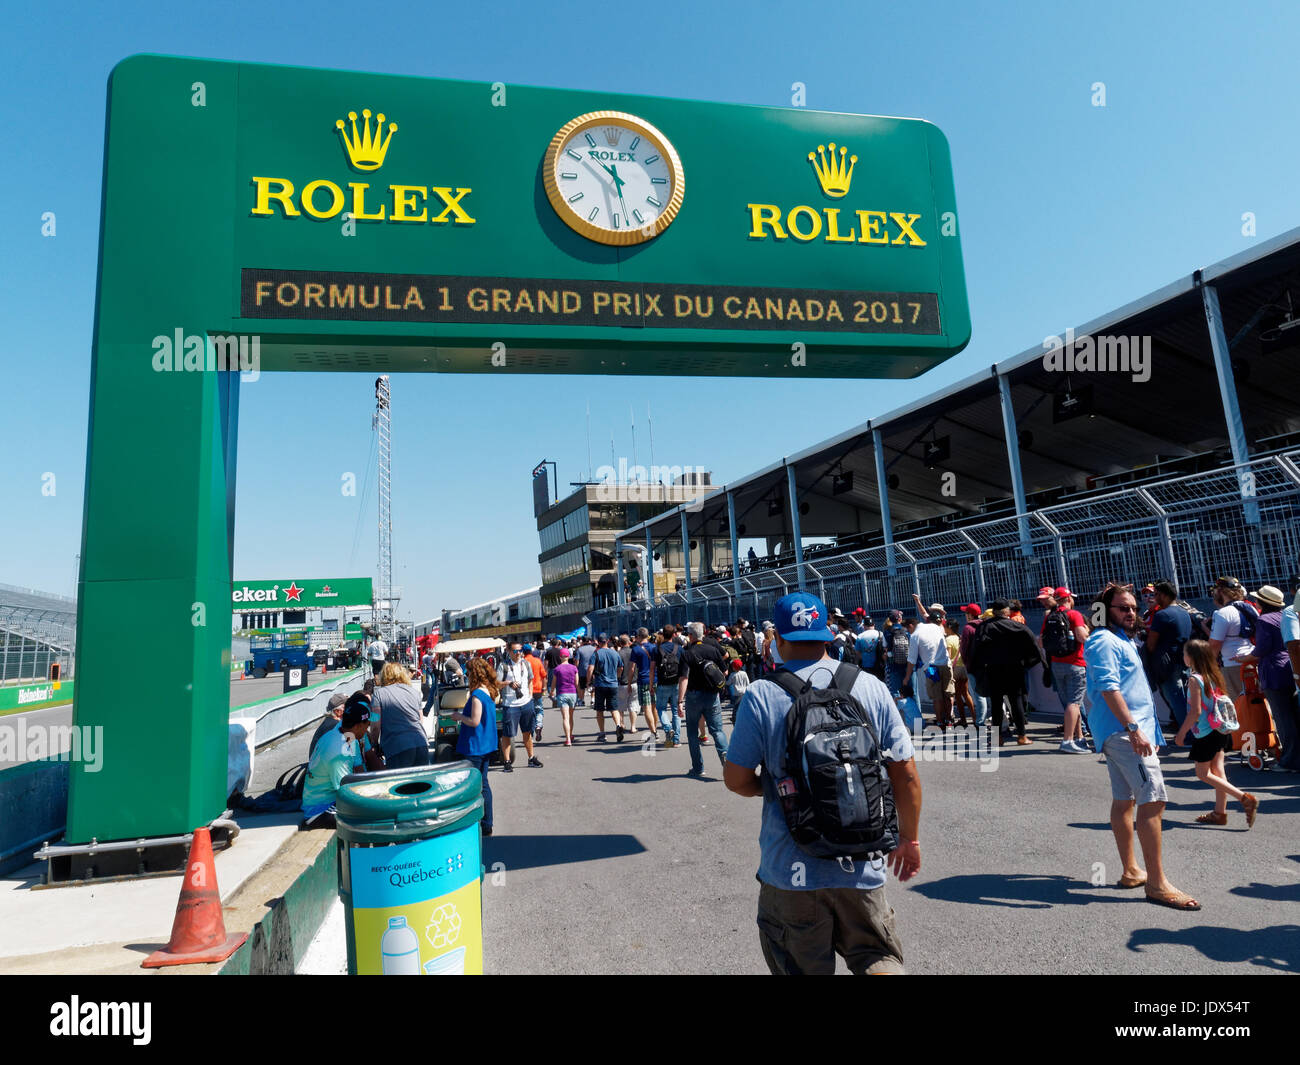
(810, 909)
(641, 660)
(602, 674)
(336, 754)
(1122, 718)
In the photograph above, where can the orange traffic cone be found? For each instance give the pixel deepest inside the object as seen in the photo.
(199, 931)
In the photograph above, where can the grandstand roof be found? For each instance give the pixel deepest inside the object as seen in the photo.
(1125, 437)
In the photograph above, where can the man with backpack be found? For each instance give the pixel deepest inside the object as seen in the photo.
(665, 671)
(1232, 630)
(928, 655)
(848, 797)
(898, 643)
(1062, 636)
(870, 646)
(703, 676)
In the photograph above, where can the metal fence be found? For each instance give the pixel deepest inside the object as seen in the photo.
(37, 630)
(1241, 521)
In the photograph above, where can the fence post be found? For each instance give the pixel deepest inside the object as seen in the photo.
(1011, 434)
(882, 493)
(1166, 543)
(979, 566)
(1059, 548)
(916, 573)
(620, 593)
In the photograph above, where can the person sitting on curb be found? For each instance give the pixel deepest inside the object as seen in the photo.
(336, 755)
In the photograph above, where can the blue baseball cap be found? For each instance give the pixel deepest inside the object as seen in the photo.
(528, 648)
(801, 616)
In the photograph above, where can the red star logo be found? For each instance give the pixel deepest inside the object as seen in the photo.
(293, 592)
(326, 589)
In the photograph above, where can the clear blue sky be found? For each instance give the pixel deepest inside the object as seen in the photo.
(1068, 210)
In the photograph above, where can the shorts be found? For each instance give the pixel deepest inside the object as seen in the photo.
(646, 697)
(935, 689)
(1131, 777)
(513, 718)
(605, 700)
(570, 700)
(1204, 748)
(1070, 682)
(802, 931)
(627, 694)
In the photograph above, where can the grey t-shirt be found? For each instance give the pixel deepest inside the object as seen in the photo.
(401, 720)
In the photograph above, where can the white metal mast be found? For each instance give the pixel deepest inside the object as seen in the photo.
(384, 425)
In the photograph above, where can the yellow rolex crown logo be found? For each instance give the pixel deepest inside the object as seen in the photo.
(832, 173)
(366, 152)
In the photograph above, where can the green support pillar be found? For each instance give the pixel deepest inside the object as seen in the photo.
(156, 543)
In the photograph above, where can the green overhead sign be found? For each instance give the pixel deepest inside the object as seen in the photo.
(262, 218)
(466, 226)
(302, 594)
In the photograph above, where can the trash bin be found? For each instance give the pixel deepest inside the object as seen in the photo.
(410, 870)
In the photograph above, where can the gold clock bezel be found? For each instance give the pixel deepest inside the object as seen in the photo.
(614, 237)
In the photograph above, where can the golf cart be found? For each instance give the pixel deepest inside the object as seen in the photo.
(443, 731)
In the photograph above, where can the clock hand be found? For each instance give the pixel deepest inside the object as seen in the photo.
(619, 183)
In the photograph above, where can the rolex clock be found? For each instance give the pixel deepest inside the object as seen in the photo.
(614, 178)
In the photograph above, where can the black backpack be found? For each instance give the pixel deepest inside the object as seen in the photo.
(899, 644)
(850, 652)
(1059, 640)
(834, 789)
(1249, 616)
(669, 663)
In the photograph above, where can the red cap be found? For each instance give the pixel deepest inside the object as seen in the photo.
(972, 608)
(1063, 593)
(736, 663)
(859, 612)
(1044, 593)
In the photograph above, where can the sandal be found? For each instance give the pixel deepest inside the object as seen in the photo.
(1175, 900)
(1132, 881)
(1250, 804)
(1214, 818)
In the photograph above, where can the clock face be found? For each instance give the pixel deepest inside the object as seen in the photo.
(613, 178)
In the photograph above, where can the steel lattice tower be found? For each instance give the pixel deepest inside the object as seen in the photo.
(384, 425)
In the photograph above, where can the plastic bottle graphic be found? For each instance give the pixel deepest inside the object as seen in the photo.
(400, 949)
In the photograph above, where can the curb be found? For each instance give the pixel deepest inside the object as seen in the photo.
(285, 927)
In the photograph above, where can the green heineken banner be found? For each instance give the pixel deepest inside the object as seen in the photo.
(265, 218)
(17, 698)
(302, 594)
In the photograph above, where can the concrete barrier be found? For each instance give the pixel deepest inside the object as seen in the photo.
(34, 798)
(280, 715)
(34, 795)
(288, 922)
